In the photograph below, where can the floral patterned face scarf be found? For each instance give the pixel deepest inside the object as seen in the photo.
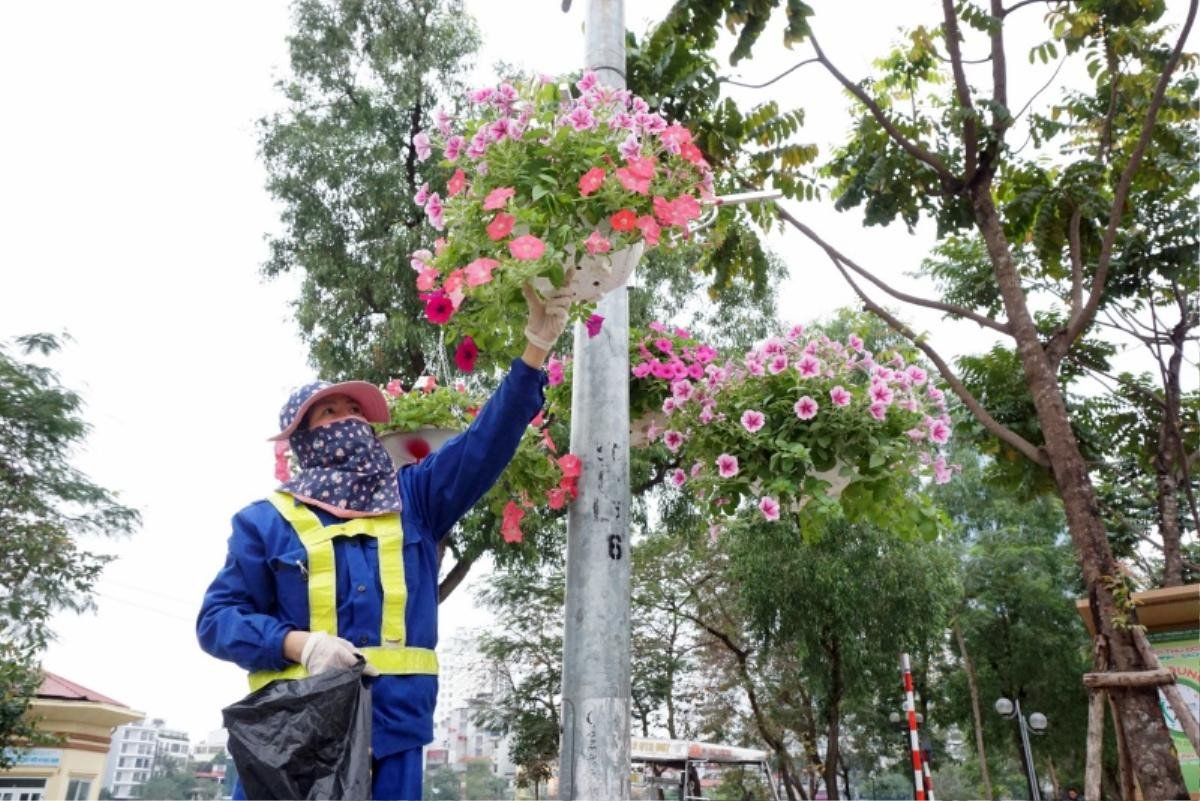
(344, 469)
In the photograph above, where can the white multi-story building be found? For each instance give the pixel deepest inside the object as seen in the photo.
(132, 755)
(213, 745)
(465, 686)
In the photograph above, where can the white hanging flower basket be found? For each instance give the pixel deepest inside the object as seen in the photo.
(839, 477)
(592, 277)
(410, 447)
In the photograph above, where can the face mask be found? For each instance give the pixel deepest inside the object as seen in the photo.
(344, 469)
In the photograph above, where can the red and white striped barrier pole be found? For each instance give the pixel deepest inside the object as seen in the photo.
(928, 781)
(914, 737)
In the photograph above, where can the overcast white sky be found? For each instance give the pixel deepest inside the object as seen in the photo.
(133, 215)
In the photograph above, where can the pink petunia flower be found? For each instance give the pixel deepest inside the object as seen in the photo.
(916, 375)
(631, 148)
(631, 182)
(422, 196)
(510, 526)
(421, 145)
(591, 180)
(777, 364)
(442, 120)
(497, 131)
(682, 390)
(435, 212)
(593, 325)
(915, 434)
(878, 410)
(479, 272)
(727, 465)
(580, 118)
(641, 370)
(419, 260)
(939, 432)
(854, 342)
(809, 366)
(881, 393)
(753, 420)
(769, 508)
(597, 243)
(806, 408)
(481, 95)
(439, 309)
(457, 183)
(588, 82)
(500, 226)
(649, 228)
(465, 354)
(454, 147)
(678, 477)
(427, 279)
(669, 405)
(527, 248)
(840, 396)
(673, 440)
(554, 371)
(706, 415)
(498, 198)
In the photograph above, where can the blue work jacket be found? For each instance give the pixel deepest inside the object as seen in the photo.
(261, 593)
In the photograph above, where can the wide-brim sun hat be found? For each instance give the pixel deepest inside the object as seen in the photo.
(369, 398)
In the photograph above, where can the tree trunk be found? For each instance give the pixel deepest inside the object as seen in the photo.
(1053, 778)
(1158, 770)
(833, 719)
(1170, 454)
(1168, 521)
(977, 716)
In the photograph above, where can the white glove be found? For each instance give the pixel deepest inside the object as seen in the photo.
(322, 652)
(547, 318)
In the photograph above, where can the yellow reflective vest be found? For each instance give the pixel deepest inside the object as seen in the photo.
(393, 656)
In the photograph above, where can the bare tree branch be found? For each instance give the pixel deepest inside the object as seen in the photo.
(1005, 434)
(948, 308)
(1006, 11)
(1076, 262)
(1063, 341)
(970, 134)
(783, 74)
(1045, 86)
(910, 147)
(999, 74)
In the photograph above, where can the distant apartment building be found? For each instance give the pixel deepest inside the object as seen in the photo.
(134, 750)
(466, 685)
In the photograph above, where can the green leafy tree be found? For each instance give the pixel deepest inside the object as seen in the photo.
(481, 784)
(46, 507)
(930, 144)
(525, 650)
(367, 75)
(170, 779)
(442, 784)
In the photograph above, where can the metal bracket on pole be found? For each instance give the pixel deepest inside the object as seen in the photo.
(739, 199)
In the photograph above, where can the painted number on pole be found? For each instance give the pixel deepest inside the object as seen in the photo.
(614, 546)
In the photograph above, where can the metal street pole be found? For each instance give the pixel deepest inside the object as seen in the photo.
(594, 760)
(1035, 791)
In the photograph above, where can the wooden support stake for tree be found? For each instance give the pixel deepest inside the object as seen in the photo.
(1124, 759)
(1130, 678)
(1182, 713)
(1095, 744)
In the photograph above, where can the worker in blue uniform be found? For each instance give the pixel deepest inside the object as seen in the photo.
(341, 561)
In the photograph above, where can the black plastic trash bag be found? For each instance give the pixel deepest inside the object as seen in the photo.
(306, 738)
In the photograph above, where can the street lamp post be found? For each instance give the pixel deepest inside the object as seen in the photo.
(1037, 724)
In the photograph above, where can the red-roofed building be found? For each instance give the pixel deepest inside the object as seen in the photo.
(84, 720)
